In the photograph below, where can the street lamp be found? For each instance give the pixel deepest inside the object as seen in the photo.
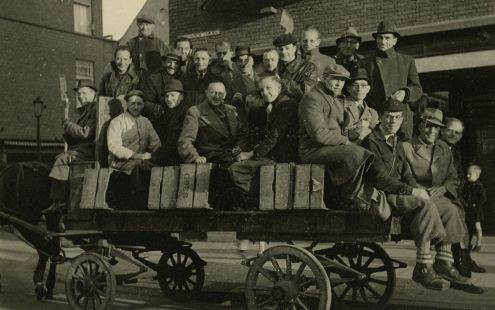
(39, 106)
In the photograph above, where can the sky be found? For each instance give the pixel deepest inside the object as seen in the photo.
(118, 15)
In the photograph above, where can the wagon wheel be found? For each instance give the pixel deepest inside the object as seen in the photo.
(181, 274)
(291, 278)
(90, 283)
(374, 290)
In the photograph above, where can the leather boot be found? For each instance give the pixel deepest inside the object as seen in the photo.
(464, 263)
(425, 275)
(449, 272)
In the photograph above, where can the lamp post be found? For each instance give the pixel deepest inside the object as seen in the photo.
(38, 105)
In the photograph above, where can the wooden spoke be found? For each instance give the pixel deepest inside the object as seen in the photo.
(345, 291)
(301, 304)
(288, 264)
(268, 274)
(378, 281)
(363, 295)
(266, 302)
(275, 265)
(372, 290)
(300, 270)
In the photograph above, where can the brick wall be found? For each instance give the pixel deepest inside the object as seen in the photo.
(329, 16)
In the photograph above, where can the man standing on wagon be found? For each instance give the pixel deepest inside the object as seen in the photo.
(80, 137)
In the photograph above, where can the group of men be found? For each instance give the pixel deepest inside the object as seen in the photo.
(352, 114)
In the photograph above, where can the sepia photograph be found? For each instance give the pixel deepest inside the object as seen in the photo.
(247, 154)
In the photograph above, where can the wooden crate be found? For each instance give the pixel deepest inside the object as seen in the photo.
(94, 189)
(289, 186)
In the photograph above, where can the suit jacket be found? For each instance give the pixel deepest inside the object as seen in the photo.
(301, 71)
(113, 85)
(389, 72)
(353, 120)
(195, 89)
(435, 169)
(390, 171)
(320, 60)
(205, 134)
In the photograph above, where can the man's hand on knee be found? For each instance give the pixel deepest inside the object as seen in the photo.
(420, 193)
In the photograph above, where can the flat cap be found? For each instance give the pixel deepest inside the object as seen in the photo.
(285, 39)
(134, 93)
(336, 70)
(394, 105)
(85, 83)
(174, 55)
(145, 18)
(173, 85)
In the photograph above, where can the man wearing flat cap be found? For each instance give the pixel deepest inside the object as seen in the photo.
(146, 48)
(431, 163)
(153, 90)
(131, 139)
(310, 49)
(321, 138)
(392, 74)
(348, 44)
(359, 118)
(291, 66)
(169, 124)
(123, 77)
(80, 137)
(390, 173)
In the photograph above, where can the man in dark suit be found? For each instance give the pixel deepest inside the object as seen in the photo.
(196, 83)
(392, 74)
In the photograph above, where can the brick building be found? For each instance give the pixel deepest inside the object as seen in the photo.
(453, 42)
(43, 40)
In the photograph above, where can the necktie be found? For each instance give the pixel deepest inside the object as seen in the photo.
(360, 109)
(390, 141)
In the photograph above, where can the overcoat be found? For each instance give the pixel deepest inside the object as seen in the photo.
(114, 85)
(146, 52)
(153, 90)
(321, 140)
(301, 71)
(195, 88)
(389, 72)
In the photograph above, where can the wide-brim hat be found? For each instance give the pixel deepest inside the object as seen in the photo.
(174, 55)
(85, 83)
(350, 32)
(145, 18)
(173, 85)
(336, 70)
(393, 105)
(241, 51)
(386, 26)
(134, 93)
(285, 39)
(359, 74)
(433, 116)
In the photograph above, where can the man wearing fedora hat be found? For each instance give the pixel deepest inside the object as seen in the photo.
(310, 49)
(146, 48)
(291, 66)
(123, 77)
(391, 174)
(321, 140)
(169, 124)
(348, 44)
(392, 74)
(431, 163)
(153, 90)
(80, 137)
(359, 118)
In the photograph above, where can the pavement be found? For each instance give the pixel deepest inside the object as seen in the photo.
(225, 276)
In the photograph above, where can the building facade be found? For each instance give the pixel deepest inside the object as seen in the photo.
(453, 42)
(45, 43)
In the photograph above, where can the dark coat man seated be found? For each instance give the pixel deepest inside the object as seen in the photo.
(131, 139)
(212, 133)
(123, 78)
(390, 172)
(169, 124)
(321, 138)
(153, 90)
(80, 137)
(431, 163)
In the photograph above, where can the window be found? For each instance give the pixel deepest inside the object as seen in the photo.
(82, 16)
(84, 70)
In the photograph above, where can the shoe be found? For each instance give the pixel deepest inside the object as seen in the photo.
(468, 288)
(476, 248)
(49, 295)
(425, 275)
(474, 267)
(462, 261)
(449, 272)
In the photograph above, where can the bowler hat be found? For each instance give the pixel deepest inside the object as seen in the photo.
(359, 74)
(174, 55)
(351, 33)
(242, 50)
(145, 18)
(285, 39)
(386, 26)
(173, 85)
(134, 93)
(336, 70)
(394, 105)
(434, 116)
(85, 83)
